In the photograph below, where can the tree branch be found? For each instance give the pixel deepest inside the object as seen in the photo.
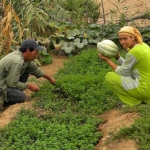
(142, 16)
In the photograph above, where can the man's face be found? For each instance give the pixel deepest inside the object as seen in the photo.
(31, 55)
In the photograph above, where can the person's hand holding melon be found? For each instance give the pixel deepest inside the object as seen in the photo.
(117, 56)
(102, 57)
(107, 48)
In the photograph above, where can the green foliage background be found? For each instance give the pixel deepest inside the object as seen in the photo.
(64, 26)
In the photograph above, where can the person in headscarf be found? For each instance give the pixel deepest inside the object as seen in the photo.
(131, 77)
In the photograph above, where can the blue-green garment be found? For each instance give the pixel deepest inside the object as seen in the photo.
(131, 79)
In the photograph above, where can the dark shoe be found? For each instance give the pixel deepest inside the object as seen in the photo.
(2, 108)
(143, 102)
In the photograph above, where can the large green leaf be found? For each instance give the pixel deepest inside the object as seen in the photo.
(94, 40)
(68, 47)
(58, 13)
(79, 44)
(71, 33)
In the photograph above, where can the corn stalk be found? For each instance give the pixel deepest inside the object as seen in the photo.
(7, 34)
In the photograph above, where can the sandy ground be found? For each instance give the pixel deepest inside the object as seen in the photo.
(129, 8)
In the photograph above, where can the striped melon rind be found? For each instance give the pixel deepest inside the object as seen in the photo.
(107, 48)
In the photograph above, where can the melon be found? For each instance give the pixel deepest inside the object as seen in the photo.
(107, 48)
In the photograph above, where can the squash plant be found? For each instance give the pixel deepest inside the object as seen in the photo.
(72, 38)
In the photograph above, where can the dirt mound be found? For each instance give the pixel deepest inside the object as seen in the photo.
(9, 114)
(114, 120)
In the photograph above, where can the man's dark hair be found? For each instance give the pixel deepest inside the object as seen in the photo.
(24, 49)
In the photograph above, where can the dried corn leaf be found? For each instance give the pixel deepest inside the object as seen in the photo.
(4, 20)
(3, 3)
(9, 17)
(6, 28)
(8, 8)
(11, 35)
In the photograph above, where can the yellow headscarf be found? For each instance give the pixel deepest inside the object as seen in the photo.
(129, 30)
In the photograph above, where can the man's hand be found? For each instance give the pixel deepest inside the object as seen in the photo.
(51, 79)
(33, 87)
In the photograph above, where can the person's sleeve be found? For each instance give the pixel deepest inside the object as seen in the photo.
(120, 61)
(127, 65)
(13, 76)
(33, 69)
